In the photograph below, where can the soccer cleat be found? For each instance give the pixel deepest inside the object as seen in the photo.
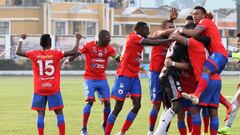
(225, 131)
(229, 111)
(192, 98)
(120, 133)
(84, 132)
(150, 133)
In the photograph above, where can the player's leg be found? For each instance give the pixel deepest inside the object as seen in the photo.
(214, 122)
(132, 114)
(39, 104)
(55, 103)
(119, 91)
(206, 118)
(104, 94)
(189, 121)
(214, 64)
(181, 123)
(171, 86)
(60, 121)
(228, 105)
(136, 94)
(40, 121)
(113, 115)
(89, 90)
(196, 120)
(156, 95)
(236, 103)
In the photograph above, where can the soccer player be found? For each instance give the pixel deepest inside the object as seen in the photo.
(127, 80)
(211, 96)
(156, 63)
(218, 55)
(46, 74)
(96, 55)
(236, 99)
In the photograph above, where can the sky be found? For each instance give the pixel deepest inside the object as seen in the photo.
(210, 4)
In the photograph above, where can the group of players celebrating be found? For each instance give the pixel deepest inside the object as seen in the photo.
(185, 69)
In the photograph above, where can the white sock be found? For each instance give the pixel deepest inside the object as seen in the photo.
(163, 123)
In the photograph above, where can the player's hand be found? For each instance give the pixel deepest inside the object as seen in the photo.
(209, 16)
(23, 36)
(174, 35)
(78, 36)
(173, 14)
(66, 64)
(168, 62)
(143, 71)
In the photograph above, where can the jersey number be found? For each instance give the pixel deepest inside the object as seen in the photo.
(47, 68)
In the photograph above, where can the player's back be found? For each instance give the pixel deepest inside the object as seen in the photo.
(211, 31)
(46, 70)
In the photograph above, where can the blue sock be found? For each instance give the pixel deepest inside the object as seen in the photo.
(214, 123)
(111, 118)
(196, 119)
(181, 124)
(131, 116)
(152, 119)
(40, 121)
(60, 119)
(86, 113)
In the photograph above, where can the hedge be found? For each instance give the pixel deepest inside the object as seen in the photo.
(10, 64)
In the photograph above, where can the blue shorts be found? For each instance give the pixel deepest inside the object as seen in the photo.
(156, 90)
(126, 85)
(101, 86)
(211, 95)
(186, 104)
(54, 101)
(216, 62)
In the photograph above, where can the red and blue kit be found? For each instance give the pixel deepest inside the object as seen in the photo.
(127, 80)
(46, 74)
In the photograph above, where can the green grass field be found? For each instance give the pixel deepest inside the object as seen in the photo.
(16, 117)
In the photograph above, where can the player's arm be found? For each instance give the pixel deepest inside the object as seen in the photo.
(19, 50)
(192, 32)
(74, 50)
(164, 33)
(156, 42)
(180, 65)
(173, 14)
(116, 57)
(179, 38)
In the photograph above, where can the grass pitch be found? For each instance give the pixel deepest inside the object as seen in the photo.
(16, 117)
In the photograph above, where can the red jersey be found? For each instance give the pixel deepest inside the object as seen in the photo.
(197, 56)
(131, 56)
(211, 30)
(96, 60)
(158, 55)
(46, 70)
(188, 81)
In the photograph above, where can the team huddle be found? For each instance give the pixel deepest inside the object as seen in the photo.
(185, 68)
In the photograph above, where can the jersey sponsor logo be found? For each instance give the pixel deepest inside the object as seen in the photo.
(120, 91)
(121, 85)
(98, 60)
(100, 54)
(46, 85)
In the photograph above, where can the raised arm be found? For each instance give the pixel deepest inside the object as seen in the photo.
(19, 50)
(156, 42)
(74, 50)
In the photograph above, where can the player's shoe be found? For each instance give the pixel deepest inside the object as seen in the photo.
(225, 131)
(191, 97)
(120, 133)
(84, 132)
(150, 133)
(229, 111)
(104, 126)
